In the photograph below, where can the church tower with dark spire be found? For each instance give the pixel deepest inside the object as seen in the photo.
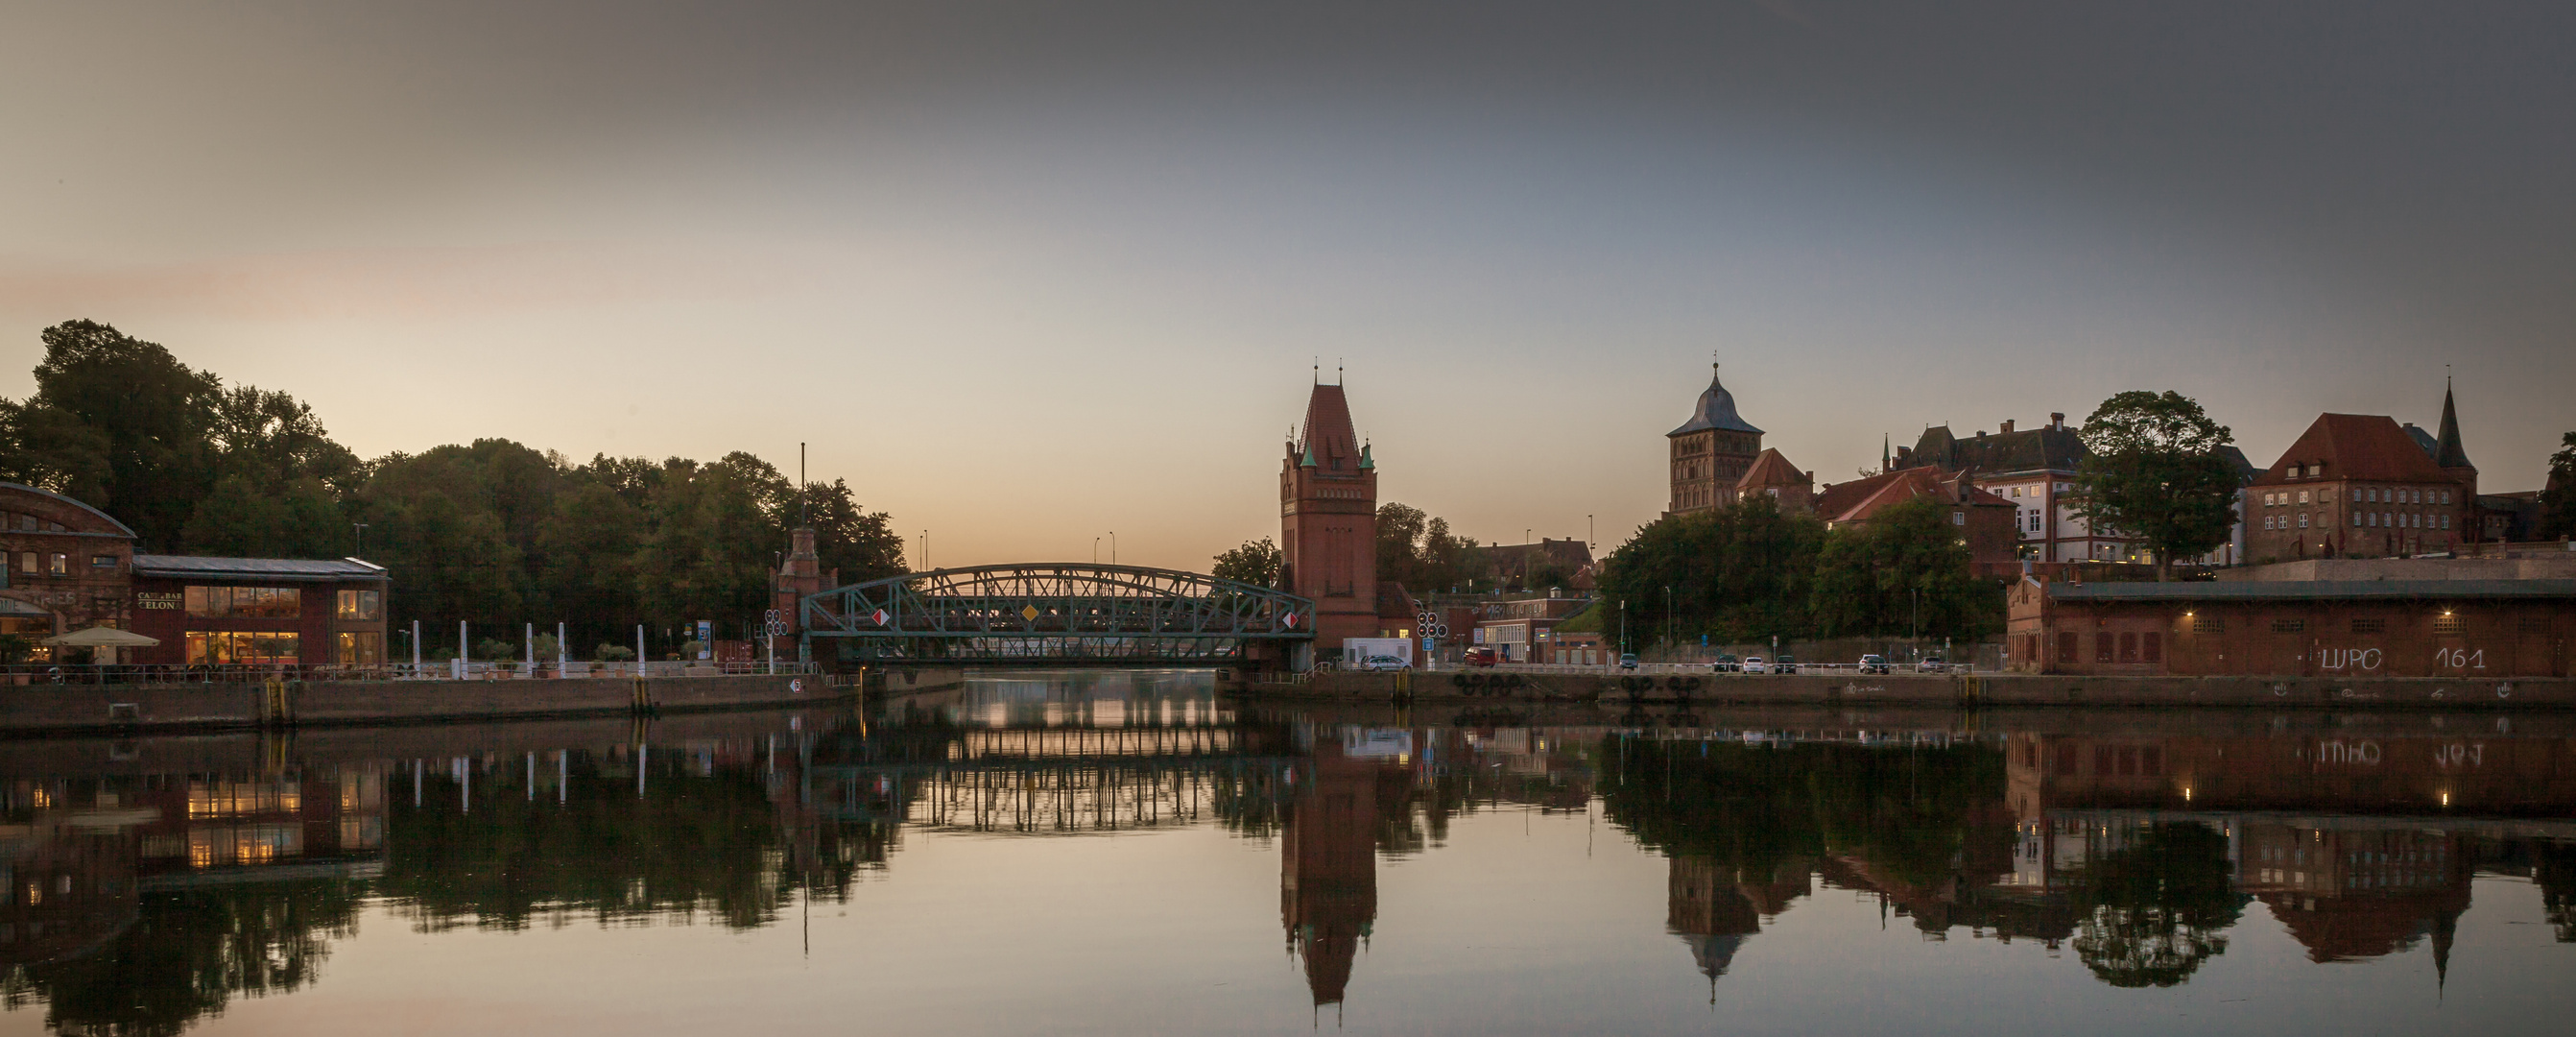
(1708, 453)
(2453, 459)
(1328, 522)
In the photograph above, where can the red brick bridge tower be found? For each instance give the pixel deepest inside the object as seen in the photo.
(1328, 522)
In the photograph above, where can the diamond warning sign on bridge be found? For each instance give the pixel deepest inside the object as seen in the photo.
(1029, 612)
(879, 616)
(1288, 620)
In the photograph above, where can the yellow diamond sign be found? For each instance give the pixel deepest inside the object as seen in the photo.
(1029, 612)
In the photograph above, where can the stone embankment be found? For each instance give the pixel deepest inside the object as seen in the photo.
(1976, 690)
(70, 708)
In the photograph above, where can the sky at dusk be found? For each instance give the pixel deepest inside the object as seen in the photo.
(1026, 273)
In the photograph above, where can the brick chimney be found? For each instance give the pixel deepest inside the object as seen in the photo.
(2056, 420)
(2007, 426)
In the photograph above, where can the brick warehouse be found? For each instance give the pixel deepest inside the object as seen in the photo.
(2456, 628)
(72, 566)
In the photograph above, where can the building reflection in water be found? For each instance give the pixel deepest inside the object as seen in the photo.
(138, 899)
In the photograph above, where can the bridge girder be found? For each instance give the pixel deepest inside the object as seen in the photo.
(1054, 612)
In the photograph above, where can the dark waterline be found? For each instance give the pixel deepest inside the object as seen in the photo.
(1125, 851)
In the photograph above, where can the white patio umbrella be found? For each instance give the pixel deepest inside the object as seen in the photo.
(102, 637)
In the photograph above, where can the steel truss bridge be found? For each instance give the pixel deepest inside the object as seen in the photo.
(1053, 614)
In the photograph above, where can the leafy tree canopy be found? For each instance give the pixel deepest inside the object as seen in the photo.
(1255, 562)
(2156, 473)
(2558, 502)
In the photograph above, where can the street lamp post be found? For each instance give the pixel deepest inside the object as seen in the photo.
(361, 527)
(1668, 616)
(1623, 626)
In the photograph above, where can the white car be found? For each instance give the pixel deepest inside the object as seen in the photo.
(1756, 664)
(1933, 664)
(1384, 663)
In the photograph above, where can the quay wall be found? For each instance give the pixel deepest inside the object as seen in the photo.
(40, 709)
(1972, 690)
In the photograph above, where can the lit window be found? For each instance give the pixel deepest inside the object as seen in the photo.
(61, 564)
(102, 561)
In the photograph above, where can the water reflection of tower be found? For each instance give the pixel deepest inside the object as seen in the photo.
(1709, 913)
(1328, 866)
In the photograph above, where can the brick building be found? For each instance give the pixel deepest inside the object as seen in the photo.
(1983, 520)
(2362, 486)
(2464, 628)
(1771, 475)
(67, 565)
(2034, 470)
(1328, 522)
(72, 566)
(1708, 453)
(1548, 563)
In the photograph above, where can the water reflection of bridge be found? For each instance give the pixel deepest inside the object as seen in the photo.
(1046, 780)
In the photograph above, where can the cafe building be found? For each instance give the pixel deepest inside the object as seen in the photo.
(259, 611)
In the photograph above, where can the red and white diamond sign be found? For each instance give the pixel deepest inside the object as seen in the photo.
(1289, 620)
(880, 617)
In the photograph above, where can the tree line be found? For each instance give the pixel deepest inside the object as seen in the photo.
(495, 533)
(1748, 572)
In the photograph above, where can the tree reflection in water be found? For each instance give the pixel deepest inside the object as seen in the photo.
(190, 954)
(2153, 911)
(494, 842)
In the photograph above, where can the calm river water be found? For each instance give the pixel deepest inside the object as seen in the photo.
(1126, 852)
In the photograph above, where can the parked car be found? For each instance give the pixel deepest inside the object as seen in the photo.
(1785, 664)
(1873, 664)
(1933, 664)
(1726, 664)
(1754, 664)
(1480, 657)
(1627, 660)
(1384, 663)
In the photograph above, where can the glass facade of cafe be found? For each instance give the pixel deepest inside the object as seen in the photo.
(260, 612)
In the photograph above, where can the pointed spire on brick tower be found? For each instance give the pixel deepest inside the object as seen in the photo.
(1328, 522)
(2449, 453)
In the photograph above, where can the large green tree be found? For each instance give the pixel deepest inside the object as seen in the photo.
(859, 544)
(1255, 562)
(1905, 572)
(1418, 552)
(2156, 474)
(1736, 573)
(120, 424)
(2558, 502)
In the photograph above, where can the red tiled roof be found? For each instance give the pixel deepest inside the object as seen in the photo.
(1897, 487)
(2357, 446)
(1328, 433)
(1771, 469)
(1838, 498)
